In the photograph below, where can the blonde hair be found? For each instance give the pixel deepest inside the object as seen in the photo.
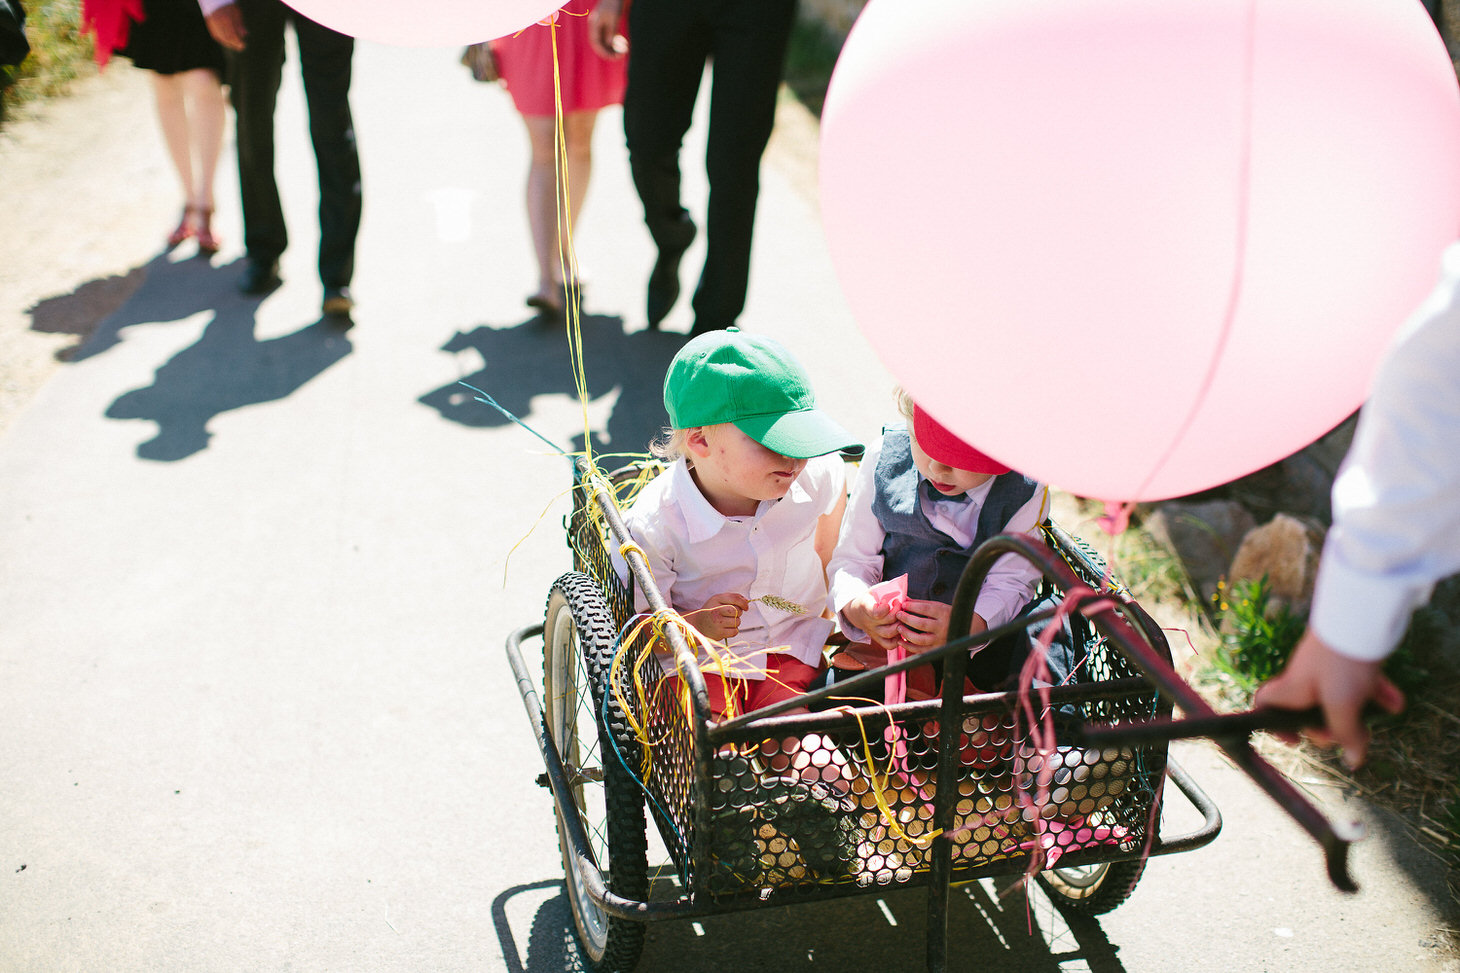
(670, 446)
(904, 403)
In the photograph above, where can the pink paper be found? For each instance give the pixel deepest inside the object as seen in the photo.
(890, 594)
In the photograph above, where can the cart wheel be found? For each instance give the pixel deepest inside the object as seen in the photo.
(1093, 890)
(578, 639)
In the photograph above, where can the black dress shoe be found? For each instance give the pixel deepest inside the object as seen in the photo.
(337, 302)
(259, 277)
(664, 280)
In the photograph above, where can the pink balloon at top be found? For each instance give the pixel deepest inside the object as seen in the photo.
(1138, 248)
(427, 23)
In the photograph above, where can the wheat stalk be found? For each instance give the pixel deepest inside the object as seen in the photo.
(781, 604)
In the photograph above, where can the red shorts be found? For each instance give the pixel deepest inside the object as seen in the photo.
(786, 678)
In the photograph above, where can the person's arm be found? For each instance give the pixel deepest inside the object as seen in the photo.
(225, 23)
(605, 30)
(1396, 525)
(1012, 579)
(1318, 675)
(642, 523)
(829, 524)
(856, 564)
(1007, 588)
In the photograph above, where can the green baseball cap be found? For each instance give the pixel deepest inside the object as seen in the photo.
(753, 382)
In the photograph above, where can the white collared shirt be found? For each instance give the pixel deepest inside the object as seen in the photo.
(696, 552)
(1396, 501)
(857, 563)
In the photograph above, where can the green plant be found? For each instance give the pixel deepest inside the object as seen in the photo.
(1149, 569)
(810, 57)
(1257, 634)
(59, 53)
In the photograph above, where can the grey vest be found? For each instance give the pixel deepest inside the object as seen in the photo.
(932, 561)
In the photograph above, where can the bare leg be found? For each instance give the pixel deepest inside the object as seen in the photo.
(578, 135)
(542, 208)
(172, 118)
(544, 219)
(207, 113)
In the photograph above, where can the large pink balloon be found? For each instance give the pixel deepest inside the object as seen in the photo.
(427, 23)
(1138, 248)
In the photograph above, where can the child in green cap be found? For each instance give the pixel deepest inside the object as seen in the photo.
(738, 532)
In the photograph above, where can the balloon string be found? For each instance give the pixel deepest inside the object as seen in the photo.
(1234, 294)
(567, 253)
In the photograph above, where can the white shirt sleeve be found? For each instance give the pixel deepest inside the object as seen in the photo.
(642, 523)
(856, 564)
(1011, 581)
(210, 7)
(1396, 501)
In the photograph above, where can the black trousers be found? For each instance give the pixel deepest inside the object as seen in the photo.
(745, 40)
(254, 74)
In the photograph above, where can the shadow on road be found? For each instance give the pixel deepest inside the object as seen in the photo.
(992, 926)
(624, 373)
(547, 947)
(226, 369)
(159, 291)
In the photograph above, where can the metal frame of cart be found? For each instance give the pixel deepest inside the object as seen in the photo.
(609, 754)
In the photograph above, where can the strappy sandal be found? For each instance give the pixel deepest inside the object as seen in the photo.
(203, 229)
(183, 231)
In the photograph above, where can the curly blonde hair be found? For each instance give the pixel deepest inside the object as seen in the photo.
(904, 403)
(670, 446)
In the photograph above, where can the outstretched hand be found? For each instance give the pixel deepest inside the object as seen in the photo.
(1317, 675)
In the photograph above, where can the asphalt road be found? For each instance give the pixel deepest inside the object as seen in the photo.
(256, 575)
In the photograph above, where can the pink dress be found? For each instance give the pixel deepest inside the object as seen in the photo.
(589, 82)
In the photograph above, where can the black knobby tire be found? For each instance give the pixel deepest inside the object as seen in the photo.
(578, 641)
(1093, 890)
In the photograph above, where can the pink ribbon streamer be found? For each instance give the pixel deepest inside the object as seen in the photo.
(890, 595)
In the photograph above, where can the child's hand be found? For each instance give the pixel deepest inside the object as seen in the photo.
(881, 627)
(719, 618)
(923, 625)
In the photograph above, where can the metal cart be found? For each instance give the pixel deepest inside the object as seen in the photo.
(617, 737)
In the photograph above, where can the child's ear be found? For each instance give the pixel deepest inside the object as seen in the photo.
(696, 443)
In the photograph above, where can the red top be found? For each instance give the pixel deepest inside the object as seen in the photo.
(589, 82)
(111, 22)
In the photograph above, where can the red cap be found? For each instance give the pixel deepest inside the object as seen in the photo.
(940, 444)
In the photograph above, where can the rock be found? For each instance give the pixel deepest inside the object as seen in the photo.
(1204, 537)
(1285, 549)
(1299, 484)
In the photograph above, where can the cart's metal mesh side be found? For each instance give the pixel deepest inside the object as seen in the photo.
(665, 766)
(774, 836)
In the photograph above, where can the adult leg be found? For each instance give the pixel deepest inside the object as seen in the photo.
(255, 73)
(578, 138)
(542, 210)
(324, 57)
(671, 42)
(549, 224)
(749, 53)
(172, 119)
(206, 113)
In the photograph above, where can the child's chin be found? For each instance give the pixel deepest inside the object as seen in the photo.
(777, 492)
